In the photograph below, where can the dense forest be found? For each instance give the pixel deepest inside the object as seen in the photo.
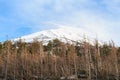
(59, 61)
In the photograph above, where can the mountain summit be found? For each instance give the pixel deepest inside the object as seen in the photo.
(63, 33)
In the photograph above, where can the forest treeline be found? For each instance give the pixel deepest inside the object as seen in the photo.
(58, 60)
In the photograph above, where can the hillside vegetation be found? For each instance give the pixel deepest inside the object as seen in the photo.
(58, 60)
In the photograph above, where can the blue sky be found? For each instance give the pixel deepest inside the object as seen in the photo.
(21, 17)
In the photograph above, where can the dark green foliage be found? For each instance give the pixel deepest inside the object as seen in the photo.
(49, 46)
(0, 47)
(118, 51)
(79, 50)
(105, 50)
(52, 44)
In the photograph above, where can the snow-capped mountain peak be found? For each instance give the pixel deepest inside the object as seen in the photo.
(63, 33)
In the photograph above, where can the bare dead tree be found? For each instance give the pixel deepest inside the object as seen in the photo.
(114, 51)
(88, 66)
(75, 65)
(7, 59)
(15, 62)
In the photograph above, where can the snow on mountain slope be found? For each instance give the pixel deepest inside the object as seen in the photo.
(63, 33)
